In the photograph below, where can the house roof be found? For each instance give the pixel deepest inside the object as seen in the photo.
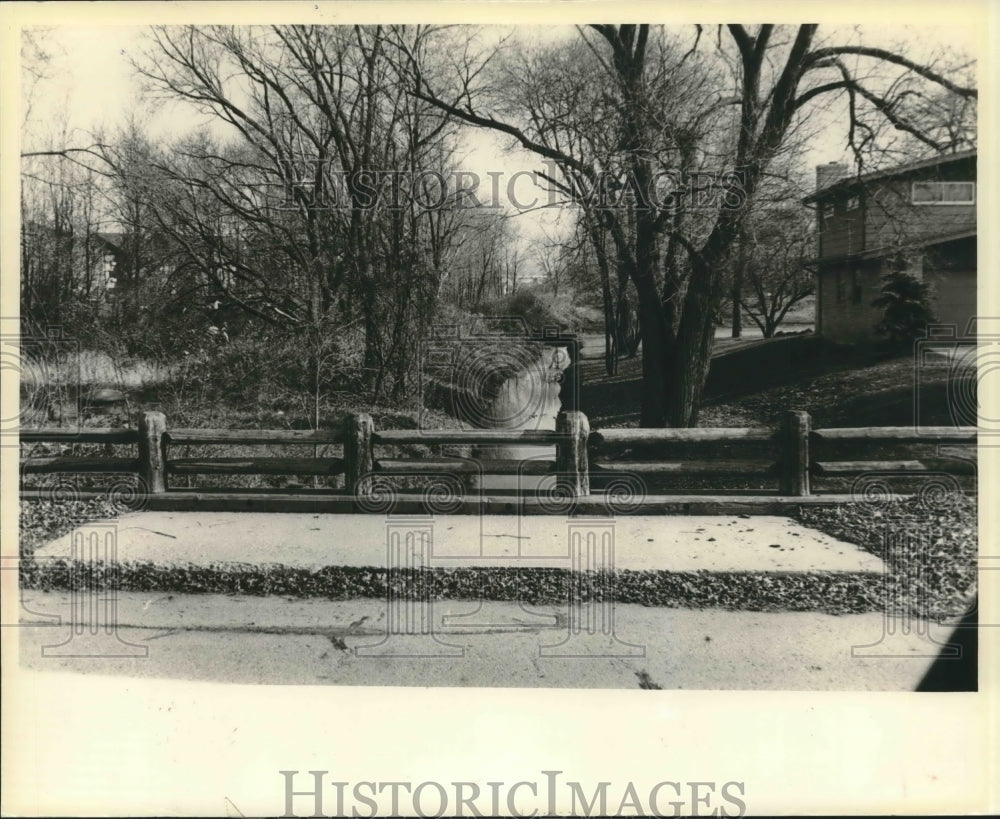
(848, 182)
(113, 239)
(930, 241)
(885, 250)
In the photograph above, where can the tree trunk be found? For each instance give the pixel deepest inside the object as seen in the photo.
(611, 347)
(371, 358)
(624, 324)
(655, 350)
(737, 292)
(737, 297)
(690, 356)
(686, 371)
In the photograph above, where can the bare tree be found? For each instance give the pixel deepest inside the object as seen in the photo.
(288, 217)
(62, 206)
(484, 258)
(35, 60)
(779, 269)
(777, 73)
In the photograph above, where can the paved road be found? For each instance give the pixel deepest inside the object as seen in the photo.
(592, 344)
(273, 640)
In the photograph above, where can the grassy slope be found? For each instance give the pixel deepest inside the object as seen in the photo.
(840, 391)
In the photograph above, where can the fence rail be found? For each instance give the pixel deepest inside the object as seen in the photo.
(926, 464)
(259, 436)
(256, 466)
(705, 467)
(695, 435)
(82, 436)
(799, 458)
(920, 435)
(511, 437)
(64, 464)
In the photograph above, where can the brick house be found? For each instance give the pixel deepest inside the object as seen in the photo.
(919, 217)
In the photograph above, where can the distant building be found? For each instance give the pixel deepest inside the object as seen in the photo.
(106, 261)
(58, 263)
(919, 217)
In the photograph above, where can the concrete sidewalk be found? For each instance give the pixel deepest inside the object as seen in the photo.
(641, 543)
(274, 640)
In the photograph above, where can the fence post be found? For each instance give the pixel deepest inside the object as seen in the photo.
(152, 452)
(569, 389)
(795, 454)
(571, 454)
(358, 460)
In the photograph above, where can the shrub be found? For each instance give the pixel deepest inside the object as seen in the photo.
(906, 305)
(525, 304)
(298, 372)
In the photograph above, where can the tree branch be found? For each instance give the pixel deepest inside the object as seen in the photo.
(889, 57)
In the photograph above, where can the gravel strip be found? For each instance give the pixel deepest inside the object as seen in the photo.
(41, 522)
(833, 593)
(929, 544)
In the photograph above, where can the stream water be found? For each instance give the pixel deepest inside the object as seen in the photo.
(529, 400)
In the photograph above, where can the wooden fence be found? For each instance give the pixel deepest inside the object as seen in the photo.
(800, 456)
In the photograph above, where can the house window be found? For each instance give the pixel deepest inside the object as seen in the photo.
(826, 209)
(943, 193)
(110, 280)
(853, 203)
(841, 286)
(856, 289)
